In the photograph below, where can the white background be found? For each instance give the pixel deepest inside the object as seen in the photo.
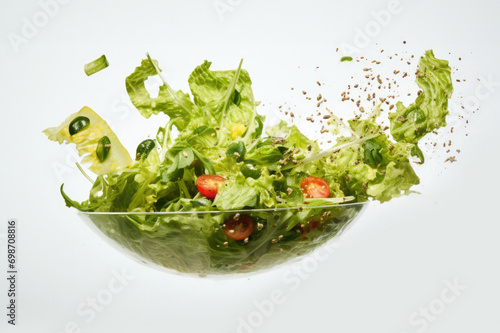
(392, 264)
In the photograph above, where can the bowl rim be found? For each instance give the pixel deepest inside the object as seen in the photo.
(235, 211)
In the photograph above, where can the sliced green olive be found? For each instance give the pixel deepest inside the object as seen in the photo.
(103, 148)
(144, 148)
(78, 124)
(249, 170)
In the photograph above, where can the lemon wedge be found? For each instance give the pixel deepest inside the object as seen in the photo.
(95, 141)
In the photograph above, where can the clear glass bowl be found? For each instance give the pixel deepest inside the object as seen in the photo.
(195, 243)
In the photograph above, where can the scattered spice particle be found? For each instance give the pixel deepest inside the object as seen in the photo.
(451, 159)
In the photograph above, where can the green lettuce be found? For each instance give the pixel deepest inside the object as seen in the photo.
(176, 104)
(430, 109)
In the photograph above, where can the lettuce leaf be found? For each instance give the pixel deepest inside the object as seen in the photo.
(226, 98)
(236, 196)
(428, 113)
(176, 104)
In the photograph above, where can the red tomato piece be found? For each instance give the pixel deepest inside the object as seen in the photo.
(314, 224)
(209, 184)
(315, 187)
(240, 228)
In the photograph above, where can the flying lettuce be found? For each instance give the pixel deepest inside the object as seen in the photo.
(430, 109)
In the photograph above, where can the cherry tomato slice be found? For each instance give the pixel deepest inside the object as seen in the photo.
(240, 228)
(315, 187)
(209, 184)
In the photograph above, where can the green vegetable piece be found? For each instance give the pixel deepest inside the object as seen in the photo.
(103, 148)
(78, 124)
(410, 124)
(160, 135)
(236, 149)
(186, 158)
(182, 160)
(174, 103)
(95, 66)
(416, 152)
(372, 155)
(265, 155)
(143, 149)
(259, 127)
(236, 97)
(345, 59)
(294, 195)
(200, 130)
(249, 171)
(282, 149)
(236, 196)
(205, 161)
(173, 173)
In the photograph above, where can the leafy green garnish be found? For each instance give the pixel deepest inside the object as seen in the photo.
(345, 59)
(236, 196)
(372, 155)
(238, 150)
(144, 148)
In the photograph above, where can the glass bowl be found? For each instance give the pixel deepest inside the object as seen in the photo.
(194, 242)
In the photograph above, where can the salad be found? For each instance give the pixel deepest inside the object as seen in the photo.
(227, 194)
